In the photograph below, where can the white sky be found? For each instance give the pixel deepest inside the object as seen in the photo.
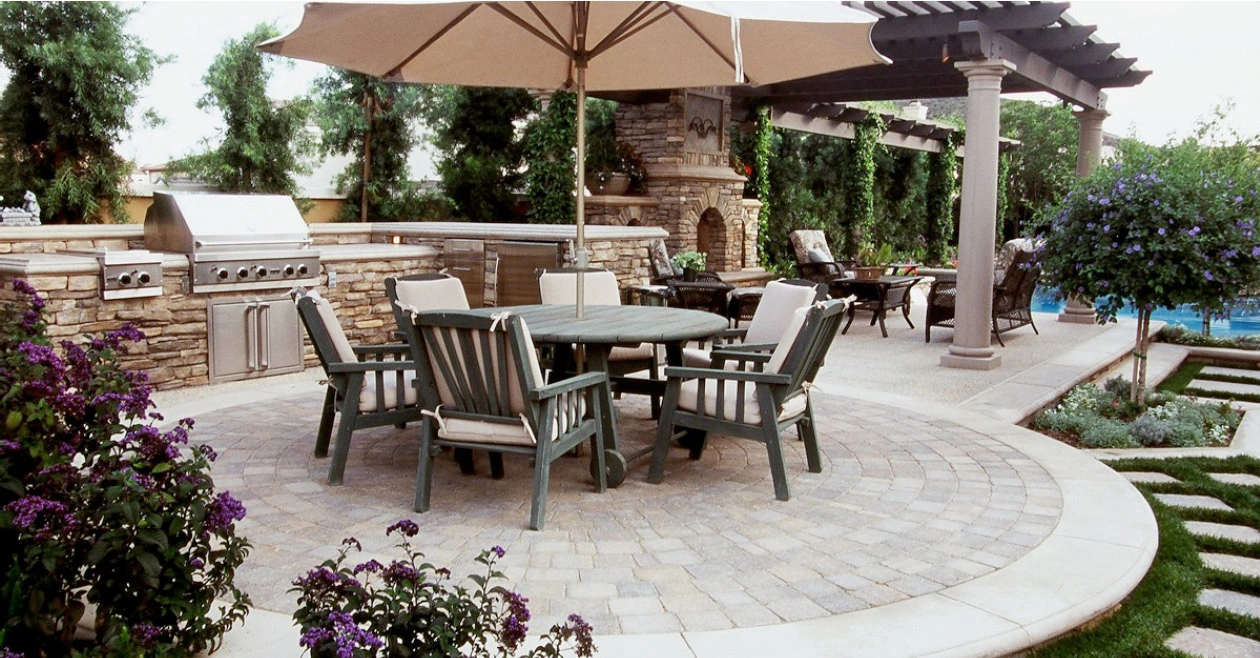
(1202, 53)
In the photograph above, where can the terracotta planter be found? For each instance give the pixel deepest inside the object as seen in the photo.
(868, 273)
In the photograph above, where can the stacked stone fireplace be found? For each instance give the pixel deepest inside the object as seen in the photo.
(689, 190)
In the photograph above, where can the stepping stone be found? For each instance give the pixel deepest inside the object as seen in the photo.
(1242, 479)
(1225, 388)
(1149, 477)
(1235, 602)
(1200, 502)
(1238, 564)
(1247, 373)
(1208, 643)
(1240, 533)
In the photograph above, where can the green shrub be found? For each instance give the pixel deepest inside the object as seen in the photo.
(1150, 431)
(1108, 433)
(1105, 418)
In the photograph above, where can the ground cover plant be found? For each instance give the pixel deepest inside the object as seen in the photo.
(1180, 335)
(1105, 417)
(1167, 599)
(412, 608)
(98, 506)
(1183, 380)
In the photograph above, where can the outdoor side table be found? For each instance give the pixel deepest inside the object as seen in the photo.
(603, 327)
(744, 303)
(704, 295)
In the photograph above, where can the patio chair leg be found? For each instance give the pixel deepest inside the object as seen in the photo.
(882, 329)
(807, 431)
(345, 428)
(326, 423)
(496, 465)
(1033, 325)
(905, 311)
(695, 441)
(997, 334)
(464, 457)
(852, 314)
(774, 449)
(424, 469)
(664, 435)
(542, 478)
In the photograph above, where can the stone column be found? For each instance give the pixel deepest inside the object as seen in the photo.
(1088, 155)
(972, 347)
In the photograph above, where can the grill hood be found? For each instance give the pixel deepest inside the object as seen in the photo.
(207, 223)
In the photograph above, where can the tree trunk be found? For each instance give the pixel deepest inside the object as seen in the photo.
(1137, 391)
(369, 104)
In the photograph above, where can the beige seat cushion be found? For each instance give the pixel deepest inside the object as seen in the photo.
(599, 288)
(420, 296)
(774, 313)
(367, 397)
(484, 431)
(688, 400)
(638, 353)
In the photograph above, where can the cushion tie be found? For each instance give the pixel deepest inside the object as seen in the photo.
(407, 308)
(436, 414)
(528, 430)
(497, 320)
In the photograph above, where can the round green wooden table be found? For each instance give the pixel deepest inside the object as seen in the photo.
(603, 327)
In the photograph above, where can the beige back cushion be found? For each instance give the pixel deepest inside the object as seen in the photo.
(774, 312)
(500, 371)
(432, 295)
(790, 334)
(342, 344)
(561, 288)
(806, 240)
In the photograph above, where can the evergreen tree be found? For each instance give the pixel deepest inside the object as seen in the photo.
(74, 75)
(264, 144)
(475, 130)
(372, 120)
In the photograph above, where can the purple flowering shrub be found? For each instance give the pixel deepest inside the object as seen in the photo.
(98, 505)
(412, 608)
(1161, 227)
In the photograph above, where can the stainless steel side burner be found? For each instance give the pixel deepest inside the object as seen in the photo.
(127, 274)
(234, 242)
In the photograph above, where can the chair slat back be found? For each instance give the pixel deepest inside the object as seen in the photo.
(476, 365)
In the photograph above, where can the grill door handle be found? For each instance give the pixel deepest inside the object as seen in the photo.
(251, 337)
(264, 336)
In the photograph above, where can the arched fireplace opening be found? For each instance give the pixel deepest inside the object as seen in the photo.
(711, 239)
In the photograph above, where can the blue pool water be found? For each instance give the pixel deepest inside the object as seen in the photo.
(1245, 322)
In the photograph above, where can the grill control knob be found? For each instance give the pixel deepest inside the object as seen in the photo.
(124, 279)
(143, 277)
(260, 271)
(220, 273)
(302, 270)
(242, 273)
(288, 270)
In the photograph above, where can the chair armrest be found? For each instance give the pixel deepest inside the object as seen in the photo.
(674, 372)
(392, 348)
(729, 335)
(370, 366)
(750, 352)
(584, 380)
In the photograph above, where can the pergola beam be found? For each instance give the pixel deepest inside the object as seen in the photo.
(981, 42)
(1023, 17)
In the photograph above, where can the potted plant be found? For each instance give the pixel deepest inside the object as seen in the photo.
(614, 171)
(691, 262)
(871, 261)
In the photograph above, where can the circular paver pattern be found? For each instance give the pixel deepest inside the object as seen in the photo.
(906, 505)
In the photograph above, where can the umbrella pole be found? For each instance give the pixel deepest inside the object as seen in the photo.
(581, 260)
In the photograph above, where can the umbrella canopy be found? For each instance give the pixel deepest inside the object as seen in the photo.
(597, 46)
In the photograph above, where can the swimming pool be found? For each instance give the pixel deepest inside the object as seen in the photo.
(1245, 323)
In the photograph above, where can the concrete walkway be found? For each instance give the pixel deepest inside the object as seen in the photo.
(984, 537)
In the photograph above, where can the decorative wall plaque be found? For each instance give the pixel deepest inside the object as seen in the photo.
(703, 124)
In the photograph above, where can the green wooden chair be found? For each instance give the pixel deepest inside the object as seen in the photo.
(483, 389)
(432, 291)
(370, 386)
(771, 319)
(752, 404)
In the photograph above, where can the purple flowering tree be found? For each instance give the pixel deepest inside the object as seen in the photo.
(99, 505)
(1161, 227)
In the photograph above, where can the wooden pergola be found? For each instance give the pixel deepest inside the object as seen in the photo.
(978, 50)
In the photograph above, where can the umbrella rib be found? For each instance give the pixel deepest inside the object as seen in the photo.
(520, 22)
(628, 27)
(717, 51)
(555, 33)
(396, 72)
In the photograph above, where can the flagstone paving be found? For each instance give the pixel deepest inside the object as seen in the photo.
(1148, 477)
(1225, 388)
(906, 505)
(1233, 563)
(1235, 602)
(1192, 502)
(1241, 479)
(1240, 533)
(1209, 643)
(1246, 373)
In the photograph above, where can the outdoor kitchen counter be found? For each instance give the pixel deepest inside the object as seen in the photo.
(39, 264)
(340, 253)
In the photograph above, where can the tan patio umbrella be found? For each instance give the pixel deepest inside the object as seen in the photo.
(596, 46)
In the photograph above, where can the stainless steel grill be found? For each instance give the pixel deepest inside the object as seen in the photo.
(234, 242)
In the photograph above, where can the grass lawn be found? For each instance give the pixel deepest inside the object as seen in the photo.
(1167, 599)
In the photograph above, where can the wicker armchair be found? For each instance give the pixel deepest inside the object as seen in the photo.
(1012, 298)
(814, 259)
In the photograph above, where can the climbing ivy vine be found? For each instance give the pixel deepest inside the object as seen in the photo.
(859, 173)
(549, 182)
(763, 144)
(942, 185)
